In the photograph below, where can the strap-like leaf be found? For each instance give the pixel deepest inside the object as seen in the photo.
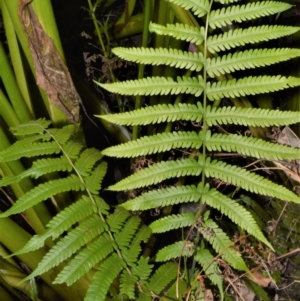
(250, 35)
(157, 86)
(251, 85)
(240, 13)
(247, 59)
(162, 56)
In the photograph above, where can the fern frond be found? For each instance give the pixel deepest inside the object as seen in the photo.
(142, 269)
(250, 35)
(162, 277)
(240, 13)
(163, 197)
(103, 278)
(249, 146)
(157, 86)
(128, 283)
(162, 56)
(226, 1)
(247, 59)
(237, 213)
(222, 244)
(248, 180)
(87, 160)
(94, 181)
(85, 260)
(198, 7)
(125, 235)
(154, 144)
(63, 135)
(157, 114)
(72, 149)
(171, 222)
(179, 31)
(211, 269)
(177, 249)
(33, 127)
(43, 192)
(17, 151)
(250, 116)
(60, 223)
(251, 85)
(157, 173)
(69, 244)
(117, 219)
(39, 168)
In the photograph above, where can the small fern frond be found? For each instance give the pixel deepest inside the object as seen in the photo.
(63, 135)
(94, 181)
(127, 286)
(104, 277)
(250, 11)
(171, 222)
(241, 37)
(222, 244)
(253, 147)
(251, 85)
(179, 31)
(43, 192)
(162, 56)
(16, 151)
(247, 59)
(157, 86)
(177, 249)
(250, 116)
(248, 181)
(163, 276)
(117, 219)
(69, 244)
(72, 149)
(154, 144)
(157, 173)
(198, 7)
(211, 269)
(163, 197)
(87, 258)
(142, 269)
(157, 114)
(33, 127)
(87, 160)
(237, 213)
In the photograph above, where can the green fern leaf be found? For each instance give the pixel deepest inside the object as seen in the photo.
(241, 37)
(86, 259)
(247, 59)
(117, 219)
(39, 168)
(162, 56)
(251, 85)
(179, 31)
(103, 278)
(157, 86)
(128, 282)
(87, 160)
(131, 254)
(250, 116)
(211, 269)
(248, 180)
(171, 222)
(154, 144)
(163, 276)
(72, 149)
(125, 235)
(222, 244)
(157, 114)
(163, 197)
(63, 135)
(69, 244)
(16, 151)
(43, 192)
(157, 173)
(60, 223)
(250, 146)
(240, 13)
(177, 249)
(94, 181)
(33, 127)
(237, 213)
(142, 269)
(198, 7)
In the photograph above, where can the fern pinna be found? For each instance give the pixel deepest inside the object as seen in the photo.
(207, 74)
